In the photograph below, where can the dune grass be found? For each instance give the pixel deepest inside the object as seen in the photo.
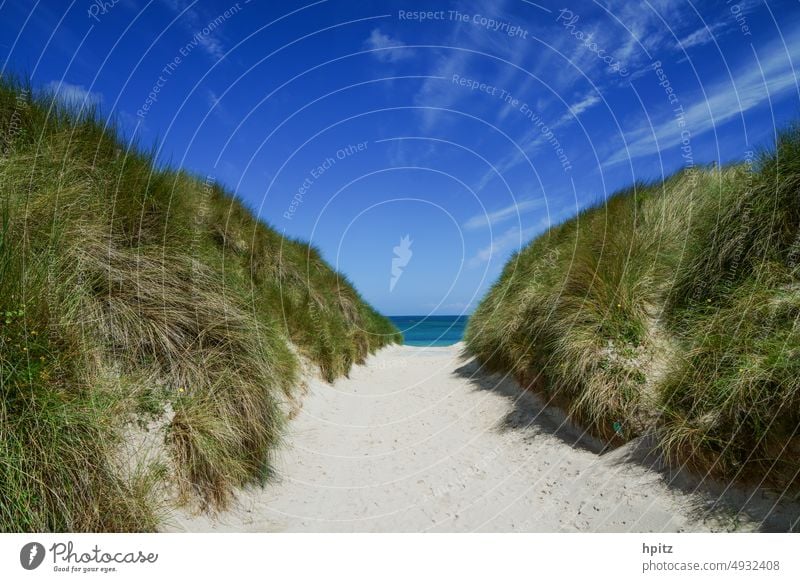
(672, 309)
(132, 293)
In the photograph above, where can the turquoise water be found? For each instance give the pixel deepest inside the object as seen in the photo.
(431, 330)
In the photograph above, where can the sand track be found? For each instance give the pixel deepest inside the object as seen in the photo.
(419, 440)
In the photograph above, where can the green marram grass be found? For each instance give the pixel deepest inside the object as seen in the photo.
(133, 294)
(670, 309)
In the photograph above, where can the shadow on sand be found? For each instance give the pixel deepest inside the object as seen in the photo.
(722, 507)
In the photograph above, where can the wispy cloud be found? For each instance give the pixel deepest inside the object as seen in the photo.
(727, 21)
(215, 104)
(195, 21)
(576, 109)
(438, 91)
(74, 94)
(387, 49)
(212, 98)
(645, 24)
(492, 219)
(533, 139)
(512, 238)
(530, 141)
(721, 103)
(701, 36)
(640, 31)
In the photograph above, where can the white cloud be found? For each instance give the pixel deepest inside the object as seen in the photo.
(520, 90)
(195, 21)
(533, 139)
(493, 218)
(641, 31)
(513, 238)
(576, 109)
(217, 107)
(700, 37)
(212, 46)
(74, 95)
(387, 49)
(439, 91)
(647, 29)
(529, 142)
(721, 101)
(709, 32)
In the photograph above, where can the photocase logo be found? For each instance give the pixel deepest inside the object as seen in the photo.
(402, 255)
(31, 555)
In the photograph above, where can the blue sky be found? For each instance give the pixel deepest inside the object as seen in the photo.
(469, 128)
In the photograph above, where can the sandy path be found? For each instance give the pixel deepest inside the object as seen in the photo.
(412, 442)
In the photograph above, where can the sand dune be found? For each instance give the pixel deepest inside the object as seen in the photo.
(418, 440)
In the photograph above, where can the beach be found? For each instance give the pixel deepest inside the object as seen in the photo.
(419, 439)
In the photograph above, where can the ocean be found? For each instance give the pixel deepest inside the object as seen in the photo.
(431, 330)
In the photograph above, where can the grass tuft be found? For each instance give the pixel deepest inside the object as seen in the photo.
(670, 308)
(139, 297)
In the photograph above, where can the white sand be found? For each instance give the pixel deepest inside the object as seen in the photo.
(410, 442)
